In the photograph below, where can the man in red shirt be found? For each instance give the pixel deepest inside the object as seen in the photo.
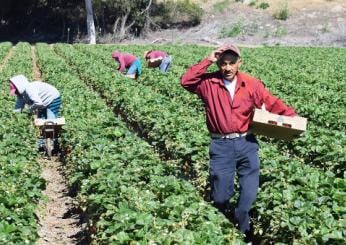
(128, 61)
(230, 97)
(157, 58)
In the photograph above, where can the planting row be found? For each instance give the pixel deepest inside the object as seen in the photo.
(4, 48)
(311, 79)
(127, 192)
(292, 195)
(20, 182)
(289, 80)
(158, 118)
(319, 146)
(313, 74)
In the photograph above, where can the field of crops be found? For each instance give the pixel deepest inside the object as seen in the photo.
(137, 151)
(20, 182)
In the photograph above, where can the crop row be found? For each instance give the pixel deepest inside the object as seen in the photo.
(306, 73)
(128, 193)
(20, 181)
(312, 80)
(321, 68)
(319, 146)
(4, 48)
(158, 118)
(292, 195)
(320, 86)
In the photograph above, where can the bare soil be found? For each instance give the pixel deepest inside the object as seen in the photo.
(310, 23)
(35, 70)
(58, 221)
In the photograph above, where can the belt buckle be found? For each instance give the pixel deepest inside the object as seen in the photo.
(237, 135)
(231, 136)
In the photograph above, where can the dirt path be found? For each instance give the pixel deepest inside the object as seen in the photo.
(36, 71)
(58, 219)
(58, 223)
(7, 57)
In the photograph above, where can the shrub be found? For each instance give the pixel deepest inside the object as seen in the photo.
(232, 31)
(221, 6)
(263, 5)
(282, 13)
(239, 28)
(280, 31)
(252, 3)
(181, 13)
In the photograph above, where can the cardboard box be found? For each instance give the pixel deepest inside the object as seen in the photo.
(57, 121)
(277, 126)
(154, 64)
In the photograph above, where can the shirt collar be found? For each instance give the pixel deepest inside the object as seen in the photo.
(230, 82)
(240, 80)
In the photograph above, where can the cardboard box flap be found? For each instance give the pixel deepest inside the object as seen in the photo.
(42, 122)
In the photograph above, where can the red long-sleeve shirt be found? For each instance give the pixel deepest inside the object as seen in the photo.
(124, 60)
(225, 115)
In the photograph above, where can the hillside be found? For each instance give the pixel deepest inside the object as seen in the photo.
(308, 23)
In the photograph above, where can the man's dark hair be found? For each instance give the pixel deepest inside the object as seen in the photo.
(234, 57)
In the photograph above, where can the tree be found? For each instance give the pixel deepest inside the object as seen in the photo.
(61, 20)
(90, 22)
(122, 18)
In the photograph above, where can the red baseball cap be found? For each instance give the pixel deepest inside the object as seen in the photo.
(231, 47)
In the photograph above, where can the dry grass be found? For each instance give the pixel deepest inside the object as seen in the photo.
(296, 5)
(293, 5)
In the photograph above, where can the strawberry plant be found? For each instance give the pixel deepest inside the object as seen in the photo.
(20, 181)
(127, 192)
(324, 150)
(4, 48)
(175, 130)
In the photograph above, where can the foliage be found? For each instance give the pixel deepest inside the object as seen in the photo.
(44, 20)
(128, 193)
(239, 28)
(4, 48)
(108, 12)
(252, 3)
(292, 194)
(35, 18)
(314, 74)
(325, 151)
(20, 181)
(181, 13)
(283, 12)
(280, 31)
(233, 31)
(221, 6)
(263, 5)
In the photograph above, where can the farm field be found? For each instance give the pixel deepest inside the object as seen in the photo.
(137, 151)
(20, 181)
